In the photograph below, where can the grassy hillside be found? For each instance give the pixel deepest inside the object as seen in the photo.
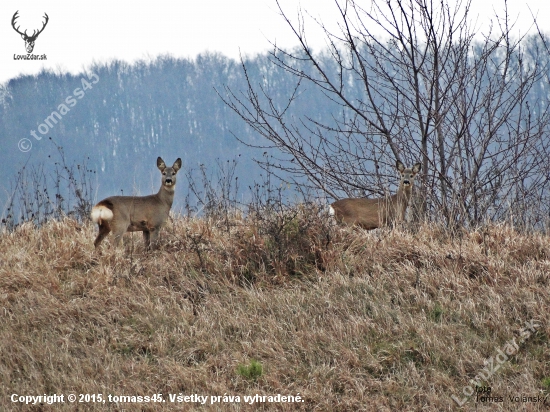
(282, 304)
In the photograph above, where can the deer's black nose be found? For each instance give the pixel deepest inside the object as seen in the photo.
(169, 181)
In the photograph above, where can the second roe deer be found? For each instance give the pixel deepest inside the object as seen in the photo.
(121, 214)
(373, 213)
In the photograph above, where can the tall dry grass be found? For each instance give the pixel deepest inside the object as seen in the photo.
(387, 320)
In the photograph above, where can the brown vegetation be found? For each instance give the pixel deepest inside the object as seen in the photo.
(350, 320)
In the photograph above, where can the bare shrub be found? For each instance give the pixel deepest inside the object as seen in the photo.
(38, 197)
(472, 111)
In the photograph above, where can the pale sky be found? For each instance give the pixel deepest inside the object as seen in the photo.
(80, 33)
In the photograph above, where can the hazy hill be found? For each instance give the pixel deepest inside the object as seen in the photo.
(125, 115)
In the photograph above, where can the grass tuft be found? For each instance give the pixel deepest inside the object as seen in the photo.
(253, 371)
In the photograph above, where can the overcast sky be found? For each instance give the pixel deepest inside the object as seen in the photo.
(80, 33)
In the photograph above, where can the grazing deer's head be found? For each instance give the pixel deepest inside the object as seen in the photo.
(29, 40)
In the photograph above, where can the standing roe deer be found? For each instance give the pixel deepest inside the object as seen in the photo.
(373, 213)
(121, 214)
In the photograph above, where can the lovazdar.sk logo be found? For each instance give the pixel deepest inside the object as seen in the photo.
(29, 39)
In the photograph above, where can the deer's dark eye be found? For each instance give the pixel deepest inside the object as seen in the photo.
(164, 173)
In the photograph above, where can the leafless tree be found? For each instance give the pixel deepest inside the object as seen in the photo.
(429, 89)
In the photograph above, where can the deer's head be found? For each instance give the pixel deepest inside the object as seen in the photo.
(407, 175)
(168, 173)
(29, 40)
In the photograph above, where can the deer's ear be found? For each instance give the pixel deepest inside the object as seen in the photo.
(417, 167)
(400, 166)
(177, 165)
(160, 164)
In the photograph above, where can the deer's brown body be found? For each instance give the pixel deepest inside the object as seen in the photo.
(147, 214)
(373, 213)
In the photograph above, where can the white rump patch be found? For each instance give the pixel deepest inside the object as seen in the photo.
(100, 213)
(331, 211)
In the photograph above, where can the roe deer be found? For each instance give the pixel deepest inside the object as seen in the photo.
(121, 214)
(373, 213)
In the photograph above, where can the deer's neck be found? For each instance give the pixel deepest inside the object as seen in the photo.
(404, 195)
(166, 195)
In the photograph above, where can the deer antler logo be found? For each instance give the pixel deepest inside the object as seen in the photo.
(29, 40)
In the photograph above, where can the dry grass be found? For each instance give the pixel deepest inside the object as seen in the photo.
(350, 320)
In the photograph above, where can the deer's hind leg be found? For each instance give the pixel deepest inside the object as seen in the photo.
(104, 230)
(119, 227)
